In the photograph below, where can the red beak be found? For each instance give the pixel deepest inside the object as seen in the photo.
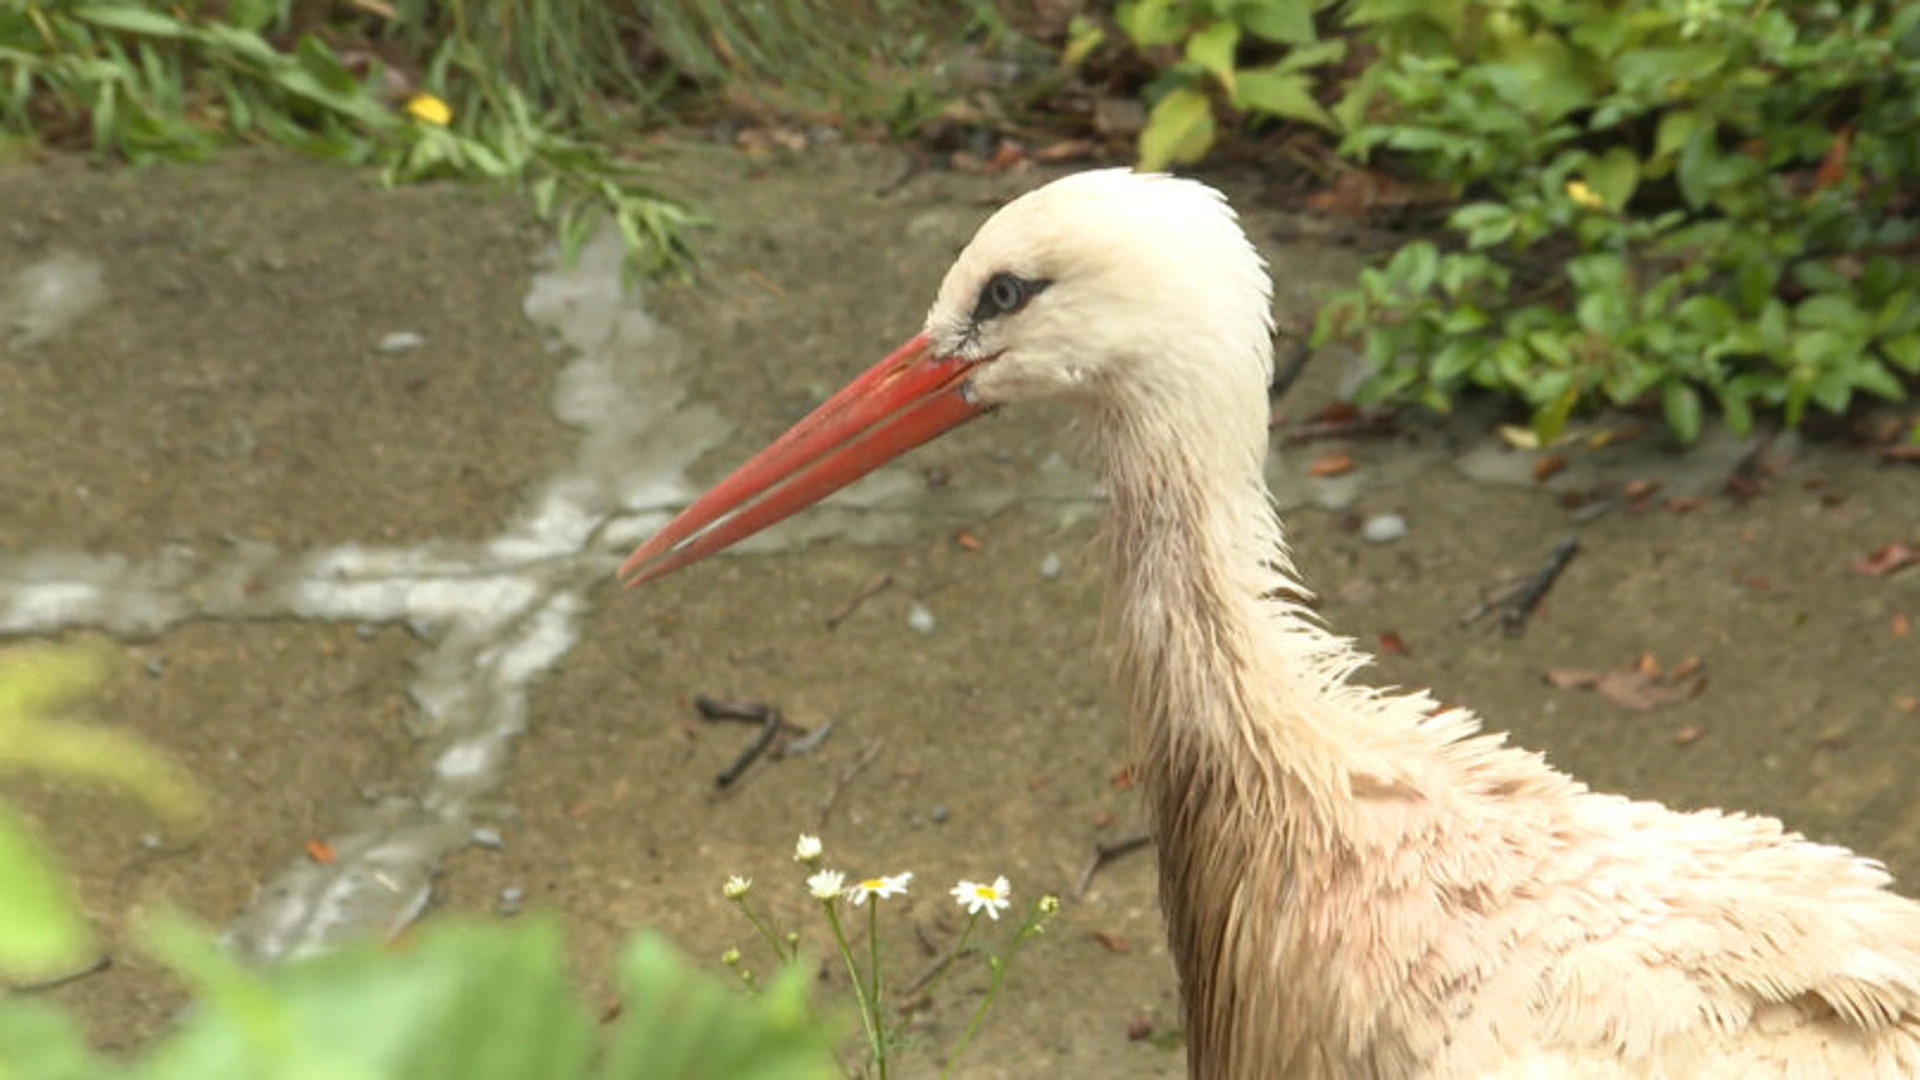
(899, 403)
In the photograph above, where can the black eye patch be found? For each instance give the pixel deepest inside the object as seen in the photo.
(1005, 294)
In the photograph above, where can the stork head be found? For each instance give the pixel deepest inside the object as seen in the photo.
(1108, 286)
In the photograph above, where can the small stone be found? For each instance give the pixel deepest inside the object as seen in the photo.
(399, 341)
(919, 619)
(365, 631)
(510, 898)
(150, 841)
(939, 815)
(487, 837)
(157, 666)
(1384, 528)
(1050, 566)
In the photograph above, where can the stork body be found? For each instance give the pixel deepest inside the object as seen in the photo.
(1358, 885)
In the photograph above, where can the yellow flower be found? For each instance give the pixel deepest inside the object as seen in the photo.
(1579, 192)
(430, 109)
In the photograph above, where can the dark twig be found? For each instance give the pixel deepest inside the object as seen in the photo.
(846, 777)
(769, 729)
(1292, 357)
(753, 712)
(1513, 618)
(1105, 852)
(1360, 428)
(1491, 600)
(99, 964)
(872, 589)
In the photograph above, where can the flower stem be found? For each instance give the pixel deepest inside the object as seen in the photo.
(773, 940)
(997, 974)
(869, 1010)
(873, 976)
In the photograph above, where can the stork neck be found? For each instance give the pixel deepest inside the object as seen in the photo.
(1217, 662)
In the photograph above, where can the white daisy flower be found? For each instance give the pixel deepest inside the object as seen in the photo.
(882, 887)
(807, 850)
(826, 884)
(736, 887)
(976, 898)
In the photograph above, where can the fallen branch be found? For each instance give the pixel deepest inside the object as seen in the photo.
(769, 730)
(1513, 619)
(1105, 852)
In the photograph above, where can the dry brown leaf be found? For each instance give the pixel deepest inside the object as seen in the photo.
(1901, 625)
(1688, 735)
(1571, 678)
(1065, 150)
(1681, 504)
(1886, 559)
(1640, 684)
(1547, 466)
(320, 851)
(967, 540)
(1906, 703)
(1833, 166)
(1907, 452)
(1113, 943)
(1393, 644)
(1332, 463)
(1639, 489)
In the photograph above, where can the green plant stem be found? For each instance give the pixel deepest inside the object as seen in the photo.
(997, 975)
(869, 1010)
(766, 931)
(873, 978)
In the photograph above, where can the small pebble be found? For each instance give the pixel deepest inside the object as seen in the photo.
(150, 841)
(399, 341)
(365, 631)
(1384, 528)
(156, 666)
(487, 837)
(1050, 566)
(510, 898)
(938, 815)
(919, 619)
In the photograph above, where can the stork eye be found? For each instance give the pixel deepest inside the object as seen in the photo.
(1004, 294)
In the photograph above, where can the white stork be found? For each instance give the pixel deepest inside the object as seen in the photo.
(1357, 883)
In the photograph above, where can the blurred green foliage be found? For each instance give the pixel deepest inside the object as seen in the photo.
(456, 1001)
(1700, 202)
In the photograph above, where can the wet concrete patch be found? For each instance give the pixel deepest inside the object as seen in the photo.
(218, 372)
(286, 728)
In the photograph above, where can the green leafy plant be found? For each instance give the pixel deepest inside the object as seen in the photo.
(1691, 201)
(141, 82)
(1256, 57)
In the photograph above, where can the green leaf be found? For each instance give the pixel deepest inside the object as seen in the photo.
(1280, 93)
(1289, 22)
(1550, 419)
(1681, 403)
(1213, 49)
(1614, 176)
(41, 931)
(1083, 36)
(1676, 128)
(1152, 22)
(132, 19)
(1179, 130)
(39, 1041)
(1310, 56)
(1903, 352)
(1875, 379)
